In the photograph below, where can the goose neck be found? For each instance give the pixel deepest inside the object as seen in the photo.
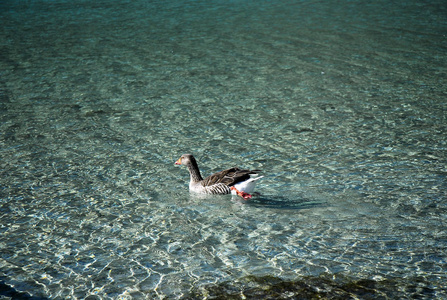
(194, 172)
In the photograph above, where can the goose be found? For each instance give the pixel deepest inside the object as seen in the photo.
(231, 181)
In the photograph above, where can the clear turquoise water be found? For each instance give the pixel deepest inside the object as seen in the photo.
(341, 103)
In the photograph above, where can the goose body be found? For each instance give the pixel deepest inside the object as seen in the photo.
(231, 181)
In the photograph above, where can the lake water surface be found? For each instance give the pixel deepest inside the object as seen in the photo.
(342, 104)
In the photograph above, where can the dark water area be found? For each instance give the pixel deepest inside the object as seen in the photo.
(341, 104)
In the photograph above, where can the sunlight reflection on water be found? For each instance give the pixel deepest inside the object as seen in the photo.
(345, 119)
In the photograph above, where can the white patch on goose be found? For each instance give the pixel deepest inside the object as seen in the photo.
(248, 185)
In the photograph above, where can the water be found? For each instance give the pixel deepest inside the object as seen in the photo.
(342, 104)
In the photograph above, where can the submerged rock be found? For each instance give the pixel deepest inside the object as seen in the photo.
(322, 287)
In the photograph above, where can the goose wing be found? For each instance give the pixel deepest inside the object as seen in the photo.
(228, 177)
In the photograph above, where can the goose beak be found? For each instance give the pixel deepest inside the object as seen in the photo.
(179, 161)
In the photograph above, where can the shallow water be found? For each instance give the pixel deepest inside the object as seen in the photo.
(342, 105)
